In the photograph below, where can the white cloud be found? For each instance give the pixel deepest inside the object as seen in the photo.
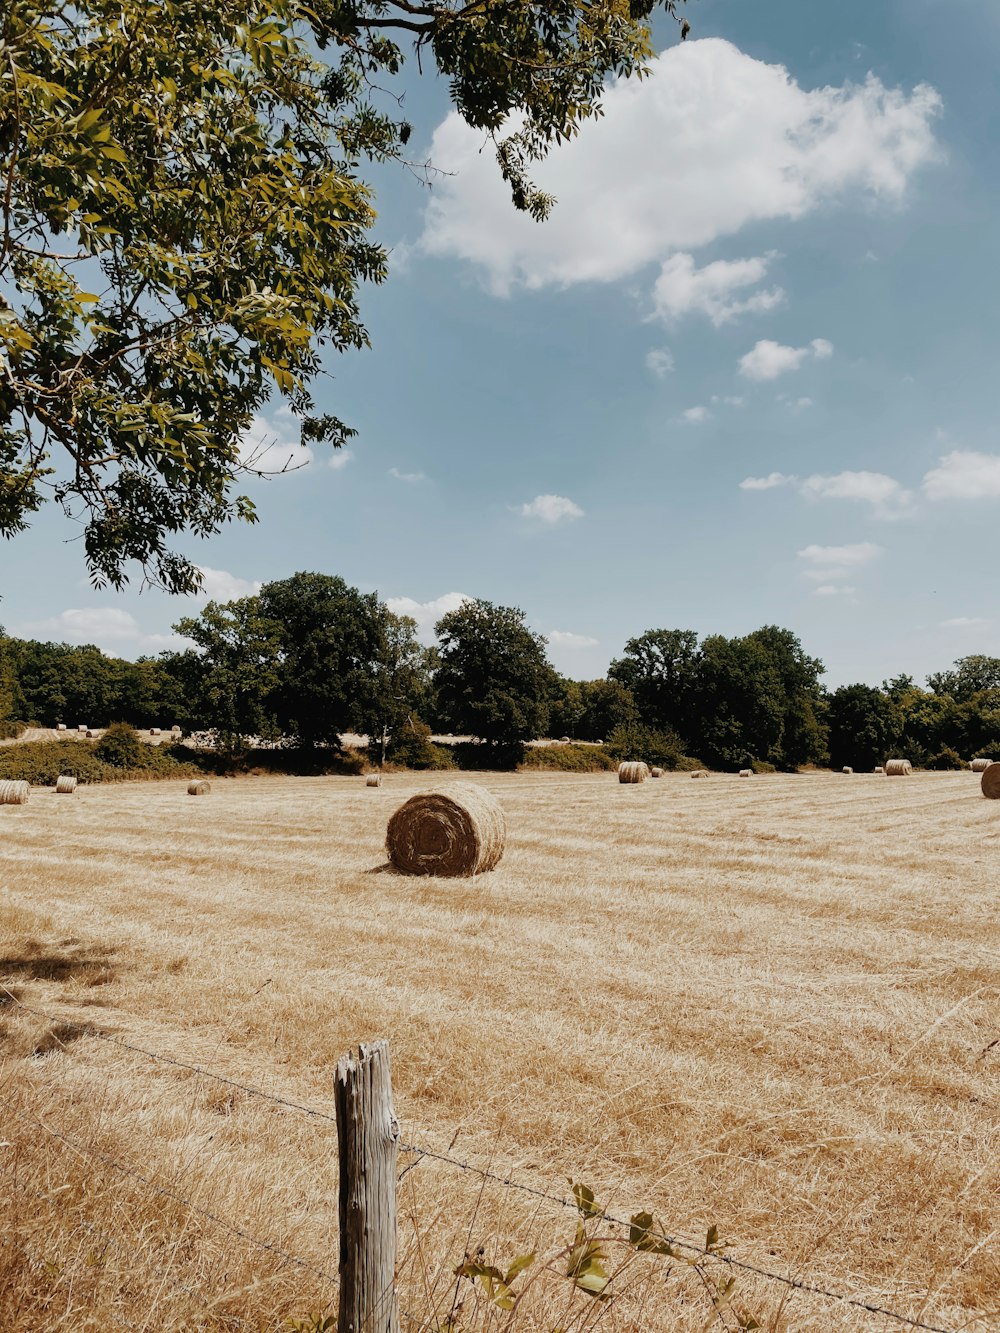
(728, 400)
(832, 590)
(768, 359)
(218, 585)
(110, 628)
(964, 622)
(768, 483)
(888, 498)
(273, 446)
(827, 564)
(427, 614)
(564, 639)
(411, 477)
(550, 509)
(683, 289)
(660, 361)
(340, 458)
(696, 415)
(711, 141)
(964, 475)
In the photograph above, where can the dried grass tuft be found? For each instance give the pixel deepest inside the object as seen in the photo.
(455, 830)
(633, 771)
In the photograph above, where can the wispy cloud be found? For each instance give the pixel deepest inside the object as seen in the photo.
(886, 496)
(660, 362)
(550, 509)
(565, 639)
(695, 415)
(411, 477)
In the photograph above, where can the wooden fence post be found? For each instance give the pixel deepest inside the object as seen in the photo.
(368, 1132)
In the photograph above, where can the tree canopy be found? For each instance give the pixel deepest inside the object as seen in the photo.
(184, 225)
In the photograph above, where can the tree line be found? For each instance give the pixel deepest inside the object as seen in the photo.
(310, 659)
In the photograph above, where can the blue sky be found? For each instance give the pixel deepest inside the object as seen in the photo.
(744, 375)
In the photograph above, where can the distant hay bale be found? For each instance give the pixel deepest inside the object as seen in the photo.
(633, 771)
(91, 734)
(454, 830)
(60, 726)
(85, 730)
(656, 772)
(175, 730)
(198, 787)
(373, 780)
(880, 770)
(154, 731)
(898, 768)
(746, 772)
(564, 740)
(14, 793)
(699, 772)
(846, 769)
(980, 765)
(65, 784)
(990, 782)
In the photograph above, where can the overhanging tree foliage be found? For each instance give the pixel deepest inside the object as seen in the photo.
(183, 227)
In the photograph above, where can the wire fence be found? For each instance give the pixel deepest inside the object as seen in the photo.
(675, 1240)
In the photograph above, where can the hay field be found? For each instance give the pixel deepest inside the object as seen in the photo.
(769, 1005)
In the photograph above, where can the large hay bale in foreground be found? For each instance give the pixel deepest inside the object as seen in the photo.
(198, 787)
(656, 772)
(980, 765)
(633, 771)
(898, 768)
(14, 793)
(65, 784)
(373, 780)
(454, 830)
(990, 782)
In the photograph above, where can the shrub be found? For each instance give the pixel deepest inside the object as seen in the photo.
(411, 747)
(636, 742)
(945, 759)
(41, 762)
(120, 747)
(481, 755)
(568, 758)
(11, 730)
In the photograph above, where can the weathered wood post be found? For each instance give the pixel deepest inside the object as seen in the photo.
(368, 1132)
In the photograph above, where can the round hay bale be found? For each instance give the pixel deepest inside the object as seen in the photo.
(746, 772)
(656, 772)
(84, 730)
(699, 772)
(373, 780)
(65, 784)
(633, 771)
(990, 782)
(846, 769)
(90, 734)
(880, 770)
(154, 731)
(898, 768)
(455, 830)
(60, 726)
(198, 787)
(14, 793)
(980, 765)
(564, 740)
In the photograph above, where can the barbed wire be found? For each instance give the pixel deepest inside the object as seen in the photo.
(677, 1241)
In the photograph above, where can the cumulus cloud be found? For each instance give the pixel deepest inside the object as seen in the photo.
(411, 477)
(886, 496)
(827, 564)
(964, 474)
(427, 614)
(683, 289)
(340, 458)
(768, 483)
(550, 509)
(768, 359)
(660, 361)
(696, 415)
(110, 628)
(218, 585)
(711, 141)
(564, 639)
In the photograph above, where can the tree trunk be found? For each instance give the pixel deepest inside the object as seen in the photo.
(369, 1133)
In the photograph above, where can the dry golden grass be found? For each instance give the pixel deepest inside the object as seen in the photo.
(767, 1005)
